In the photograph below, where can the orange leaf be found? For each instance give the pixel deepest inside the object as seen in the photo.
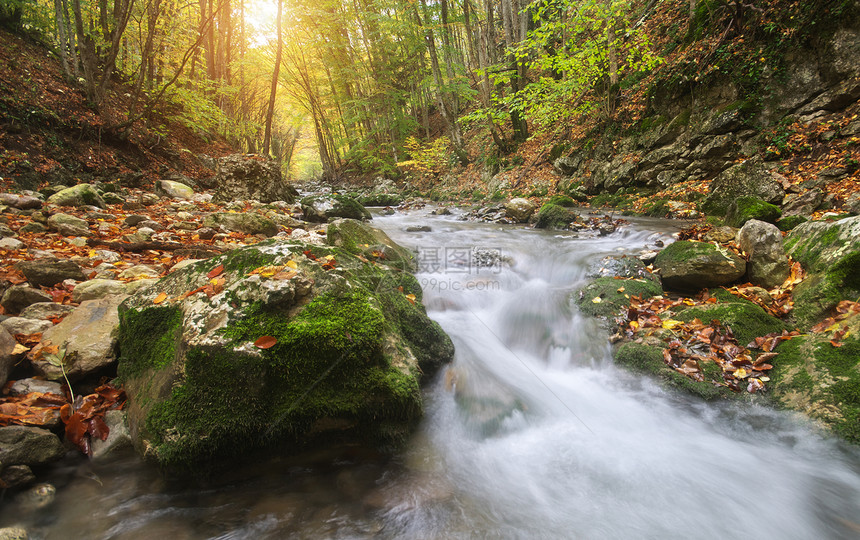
(215, 272)
(265, 342)
(160, 298)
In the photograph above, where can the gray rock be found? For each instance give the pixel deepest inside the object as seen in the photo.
(11, 244)
(519, 209)
(248, 223)
(97, 288)
(150, 224)
(14, 533)
(49, 272)
(802, 204)
(206, 233)
(80, 195)
(88, 336)
(138, 285)
(176, 190)
(688, 265)
(241, 177)
(567, 165)
(23, 387)
(18, 297)
(745, 179)
(21, 202)
(6, 232)
(419, 228)
(853, 203)
(113, 198)
(20, 445)
(134, 219)
(20, 325)
(33, 227)
(321, 208)
(7, 360)
(140, 271)
(15, 476)
(69, 225)
(118, 437)
(768, 265)
(46, 310)
(149, 199)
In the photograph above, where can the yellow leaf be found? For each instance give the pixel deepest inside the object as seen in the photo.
(669, 324)
(19, 349)
(160, 298)
(411, 298)
(634, 325)
(741, 373)
(293, 265)
(620, 289)
(596, 300)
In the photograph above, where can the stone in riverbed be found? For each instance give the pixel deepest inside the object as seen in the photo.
(248, 223)
(321, 208)
(49, 272)
(175, 190)
(69, 225)
(762, 242)
(24, 445)
(686, 265)
(80, 195)
(97, 288)
(20, 325)
(241, 177)
(346, 351)
(18, 297)
(7, 359)
(519, 209)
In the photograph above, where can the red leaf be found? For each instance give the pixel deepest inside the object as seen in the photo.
(98, 428)
(215, 272)
(265, 342)
(76, 428)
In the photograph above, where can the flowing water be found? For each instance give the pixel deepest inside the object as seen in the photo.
(531, 433)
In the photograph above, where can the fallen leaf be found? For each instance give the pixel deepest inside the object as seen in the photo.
(411, 298)
(160, 298)
(215, 272)
(265, 342)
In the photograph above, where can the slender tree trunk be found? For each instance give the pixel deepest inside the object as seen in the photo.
(270, 111)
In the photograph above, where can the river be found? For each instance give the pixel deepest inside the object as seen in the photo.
(531, 433)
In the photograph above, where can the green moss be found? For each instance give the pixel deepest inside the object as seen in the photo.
(746, 208)
(814, 298)
(553, 216)
(611, 300)
(380, 199)
(656, 208)
(648, 359)
(562, 200)
(789, 222)
(147, 339)
(241, 260)
(846, 271)
(747, 321)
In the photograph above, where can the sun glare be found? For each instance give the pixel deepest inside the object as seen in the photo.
(260, 16)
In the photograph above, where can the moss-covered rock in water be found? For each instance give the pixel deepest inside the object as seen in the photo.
(747, 320)
(380, 199)
(553, 216)
(246, 222)
(746, 208)
(830, 253)
(686, 265)
(606, 296)
(346, 343)
(814, 377)
(321, 208)
(360, 239)
(649, 359)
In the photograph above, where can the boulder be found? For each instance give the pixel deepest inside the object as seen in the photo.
(174, 190)
(23, 387)
(830, 253)
(7, 359)
(686, 265)
(767, 265)
(15, 476)
(10, 244)
(118, 436)
(20, 325)
(295, 346)
(321, 208)
(79, 195)
(88, 336)
(746, 208)
(18, 297)
(359, 238)
(248, 223)
(802, 204)
(20, 445)
(602, 297)
(553, 216)
(519, 209)
(744, 179)
(241, 177)
(69, 225)
(49, 272)
(21, 202)
(98, 288)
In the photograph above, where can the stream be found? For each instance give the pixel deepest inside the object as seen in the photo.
(531, 433)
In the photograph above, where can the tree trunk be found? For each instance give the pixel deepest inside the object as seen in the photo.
(270, 111)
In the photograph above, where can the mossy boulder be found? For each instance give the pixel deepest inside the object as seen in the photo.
(359, 238)
(348, 345)
(744, 179)
(380, 199)
(747, 320)
(606, 296)
(813, 376)
(830, 253)
(246, 222)
(79, 195)
(788, 223)
(648, 359)
(687, 265)
(744, 209)
(553, 216)
(321, 208)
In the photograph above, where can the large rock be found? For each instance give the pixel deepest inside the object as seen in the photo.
(359, 238)
(69, 225)
(744, 179)
(688, 265)
(345, 342)
(20, 445)
(767, 265)
(7, 360)
(830, 253)
(519, 209)
(241, 177)
(88, 336)
(49, 272)
(248, 223)
(321, 208)
(175, 190)
(99, 288)
(746, 208)
(21, 202)
(18, 297)
(79, 195)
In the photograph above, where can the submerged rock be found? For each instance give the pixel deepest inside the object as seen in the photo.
(285, 345)
(320, 208)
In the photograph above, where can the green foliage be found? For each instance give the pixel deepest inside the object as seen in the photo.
(433, 157)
